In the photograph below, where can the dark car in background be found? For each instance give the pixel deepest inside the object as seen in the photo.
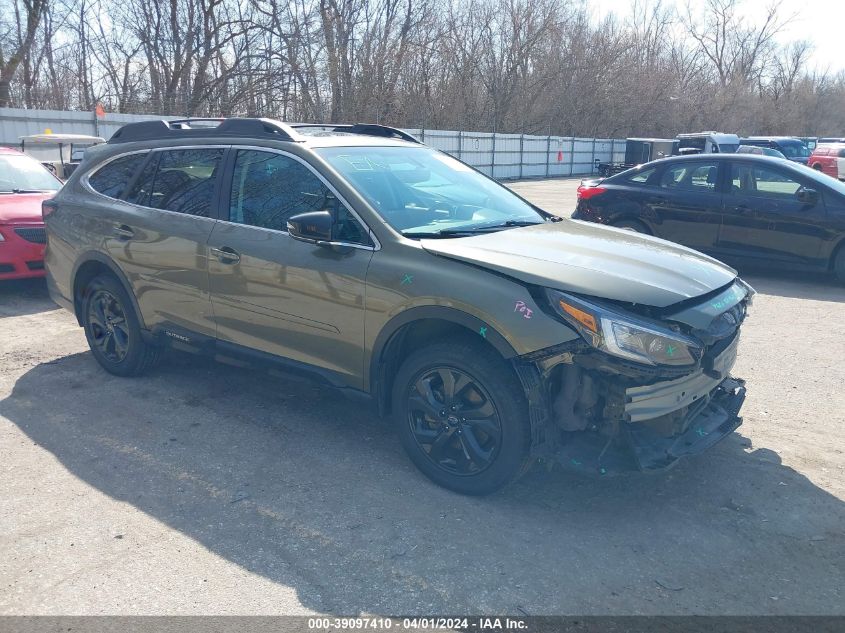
(737, 207)
(760, 151)
(793, 148)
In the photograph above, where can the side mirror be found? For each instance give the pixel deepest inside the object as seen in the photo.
(807, 196)
(313, 227)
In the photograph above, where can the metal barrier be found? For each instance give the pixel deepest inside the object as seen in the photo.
(502, 156)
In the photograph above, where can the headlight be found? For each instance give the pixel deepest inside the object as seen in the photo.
(625, 336)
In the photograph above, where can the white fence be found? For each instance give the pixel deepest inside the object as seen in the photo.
(503, 156)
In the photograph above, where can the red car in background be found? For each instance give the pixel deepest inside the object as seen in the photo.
(829, 158)
(24, 185)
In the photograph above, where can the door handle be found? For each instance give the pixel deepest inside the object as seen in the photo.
(226, 255)
(123, 232)
(744, 209)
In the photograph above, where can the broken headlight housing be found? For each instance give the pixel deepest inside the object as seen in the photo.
(623, 335)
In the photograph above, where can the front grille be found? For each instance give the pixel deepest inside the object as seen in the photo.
(7, 268)
(35, 265)
(35, 235)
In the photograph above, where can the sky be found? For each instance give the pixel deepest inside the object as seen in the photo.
(819, 21)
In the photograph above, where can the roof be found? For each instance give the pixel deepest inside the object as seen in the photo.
(715, 135)
(719, 157)
(773, 138)
(314, 134)
(56, 139)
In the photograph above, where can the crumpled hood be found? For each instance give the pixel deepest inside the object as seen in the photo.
(593, 260)
(24, 208)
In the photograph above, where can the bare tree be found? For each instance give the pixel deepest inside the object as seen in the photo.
(16, 42)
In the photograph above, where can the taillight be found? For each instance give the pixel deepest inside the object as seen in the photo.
(47, 207)
(585, 193)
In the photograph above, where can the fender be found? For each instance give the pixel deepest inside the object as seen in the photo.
(442, 313)
(96, 256)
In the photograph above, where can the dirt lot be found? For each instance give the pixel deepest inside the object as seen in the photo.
(206, 489)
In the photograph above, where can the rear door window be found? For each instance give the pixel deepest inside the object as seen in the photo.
(698, 177)
(112, 179)
(179, 180)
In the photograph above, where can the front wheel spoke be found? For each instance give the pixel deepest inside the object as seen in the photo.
(439, 445)
(424, 433)
(419, 403)
(486, 425)
(121, 342)
(473, 450)
(100, 311)
(96, 323)
(481, 411)
(104, 343)
(423, 387)
(99, 334)
(447, 378)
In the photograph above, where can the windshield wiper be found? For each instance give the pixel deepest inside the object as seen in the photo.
(484, 228)
(471, 230)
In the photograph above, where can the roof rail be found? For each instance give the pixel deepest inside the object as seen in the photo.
(187, 128)
(367, 129)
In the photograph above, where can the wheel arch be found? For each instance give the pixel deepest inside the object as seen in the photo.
(632, 218)
(405, 331)
(91, 265)
(834, 253)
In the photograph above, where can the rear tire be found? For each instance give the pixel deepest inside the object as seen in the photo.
(462, 417)
(632, 225)
(113, 331)
(839, 265)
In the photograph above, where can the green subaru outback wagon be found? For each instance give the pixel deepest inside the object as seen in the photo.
(490, 332)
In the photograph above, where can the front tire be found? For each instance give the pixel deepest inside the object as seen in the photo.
(462, 417)
(113, 331)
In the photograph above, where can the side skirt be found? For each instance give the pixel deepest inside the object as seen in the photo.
(184, 340)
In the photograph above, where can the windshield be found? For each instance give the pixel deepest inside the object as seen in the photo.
(420, 191)
(821, 178)
(19, 173)
(794, 150)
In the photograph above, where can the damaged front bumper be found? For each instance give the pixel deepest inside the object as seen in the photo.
(622, 425)
(640, 446)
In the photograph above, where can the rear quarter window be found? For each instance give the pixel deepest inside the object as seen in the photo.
(111, 179)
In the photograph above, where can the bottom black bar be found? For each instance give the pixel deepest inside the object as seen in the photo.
(326, 623)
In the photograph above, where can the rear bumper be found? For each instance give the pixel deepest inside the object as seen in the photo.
(20, 258)
(57, 296)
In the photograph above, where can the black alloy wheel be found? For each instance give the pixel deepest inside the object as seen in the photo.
(454, 421)
(113, 329)
(109, 328)
(461, 415)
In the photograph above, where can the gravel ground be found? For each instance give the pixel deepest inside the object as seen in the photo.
(206, 489)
